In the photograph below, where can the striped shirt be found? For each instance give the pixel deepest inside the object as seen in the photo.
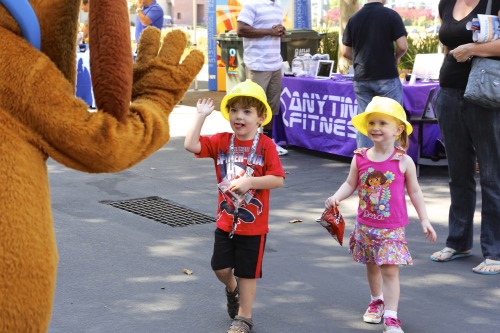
(262, 54)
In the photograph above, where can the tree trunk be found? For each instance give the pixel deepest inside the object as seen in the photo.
(347, 9)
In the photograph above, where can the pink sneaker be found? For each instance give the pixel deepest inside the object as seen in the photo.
(392, 325)
(374, 312)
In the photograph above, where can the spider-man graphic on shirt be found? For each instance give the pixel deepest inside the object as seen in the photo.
(254, 210)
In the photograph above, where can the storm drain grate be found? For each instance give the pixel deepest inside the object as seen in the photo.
(162, 210)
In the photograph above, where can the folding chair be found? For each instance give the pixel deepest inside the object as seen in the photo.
(428, 117)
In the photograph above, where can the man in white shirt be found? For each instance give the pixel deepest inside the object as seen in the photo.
(260, 23)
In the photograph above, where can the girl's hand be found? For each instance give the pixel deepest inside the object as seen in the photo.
(331, 202)
(205, 106)
(429, 232)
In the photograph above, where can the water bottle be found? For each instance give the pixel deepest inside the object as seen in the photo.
(309, 70)
(297, 66)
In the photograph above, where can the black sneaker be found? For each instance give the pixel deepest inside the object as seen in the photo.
(233, 302)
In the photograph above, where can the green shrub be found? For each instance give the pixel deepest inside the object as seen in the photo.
(427, 44)
(329, 44)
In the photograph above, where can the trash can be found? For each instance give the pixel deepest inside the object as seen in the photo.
(297, 42)
(232, 55)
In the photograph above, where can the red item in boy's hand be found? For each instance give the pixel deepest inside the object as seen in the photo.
(333, 221)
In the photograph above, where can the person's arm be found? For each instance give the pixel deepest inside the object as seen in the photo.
(465, 52)
(417, 197)
(401, 48)
(267, 182)
(245, 30)
(192, 141)
(85, 30)
(346, 189)
(347, 52)
(143, 18)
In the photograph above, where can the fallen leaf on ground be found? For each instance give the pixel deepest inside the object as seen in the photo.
(294, 221)
(187, 271)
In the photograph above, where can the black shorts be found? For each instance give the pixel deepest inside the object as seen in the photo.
(243, 253)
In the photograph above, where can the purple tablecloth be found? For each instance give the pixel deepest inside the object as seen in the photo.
(316, 114)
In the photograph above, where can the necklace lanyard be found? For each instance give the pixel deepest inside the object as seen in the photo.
(231, 173)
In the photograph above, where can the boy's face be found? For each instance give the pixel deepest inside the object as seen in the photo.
(245, 121)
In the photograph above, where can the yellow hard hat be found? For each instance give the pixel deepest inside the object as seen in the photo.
(384, 105)
(250, 89)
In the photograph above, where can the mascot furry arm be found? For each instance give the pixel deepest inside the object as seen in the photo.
(40, 118)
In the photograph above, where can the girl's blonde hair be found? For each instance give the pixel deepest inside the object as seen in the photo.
(402, 138)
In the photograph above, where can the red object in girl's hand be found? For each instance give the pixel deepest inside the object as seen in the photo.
(334, 223)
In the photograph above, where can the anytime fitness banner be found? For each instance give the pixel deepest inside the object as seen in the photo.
(318, 116)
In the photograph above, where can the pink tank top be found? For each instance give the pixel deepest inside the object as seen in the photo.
(381, 191)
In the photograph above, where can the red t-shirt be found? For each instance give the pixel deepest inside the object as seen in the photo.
(253, 216)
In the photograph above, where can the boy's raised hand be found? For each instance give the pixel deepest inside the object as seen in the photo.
(205, 106)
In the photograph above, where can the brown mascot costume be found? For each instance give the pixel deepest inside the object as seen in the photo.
(40, 118)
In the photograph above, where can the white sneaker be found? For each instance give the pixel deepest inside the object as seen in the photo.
(392, 325)
(281, 151)
(374, 312)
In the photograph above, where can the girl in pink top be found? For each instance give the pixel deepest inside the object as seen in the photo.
(380, 175)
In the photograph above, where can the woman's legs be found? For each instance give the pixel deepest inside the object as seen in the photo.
(484, 128)
(469, 131)
(461, 157)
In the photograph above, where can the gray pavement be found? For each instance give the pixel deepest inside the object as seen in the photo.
(120, 272)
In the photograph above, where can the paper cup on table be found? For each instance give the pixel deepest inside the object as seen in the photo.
(413, 78)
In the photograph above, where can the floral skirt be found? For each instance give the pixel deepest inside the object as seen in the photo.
(379, 246)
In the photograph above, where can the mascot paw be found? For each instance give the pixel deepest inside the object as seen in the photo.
(159, 74)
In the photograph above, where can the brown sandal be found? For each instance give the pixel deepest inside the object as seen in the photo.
(241, 325)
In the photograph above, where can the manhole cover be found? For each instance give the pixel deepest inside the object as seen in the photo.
(162, 210)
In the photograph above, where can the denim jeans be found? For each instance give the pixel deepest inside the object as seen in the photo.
(469, 132)
(366, 90)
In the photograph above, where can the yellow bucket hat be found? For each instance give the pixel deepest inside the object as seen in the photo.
(250, 89)
(384, 105)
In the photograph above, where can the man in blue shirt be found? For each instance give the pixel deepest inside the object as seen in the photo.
(149, 13)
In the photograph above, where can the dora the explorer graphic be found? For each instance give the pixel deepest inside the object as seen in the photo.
(375, 192)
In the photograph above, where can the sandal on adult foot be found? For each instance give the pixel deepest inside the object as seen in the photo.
(241, 325)
(233, 302)
(487, 265)
(449, 255)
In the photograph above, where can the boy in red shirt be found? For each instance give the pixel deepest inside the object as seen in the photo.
(247, 168)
